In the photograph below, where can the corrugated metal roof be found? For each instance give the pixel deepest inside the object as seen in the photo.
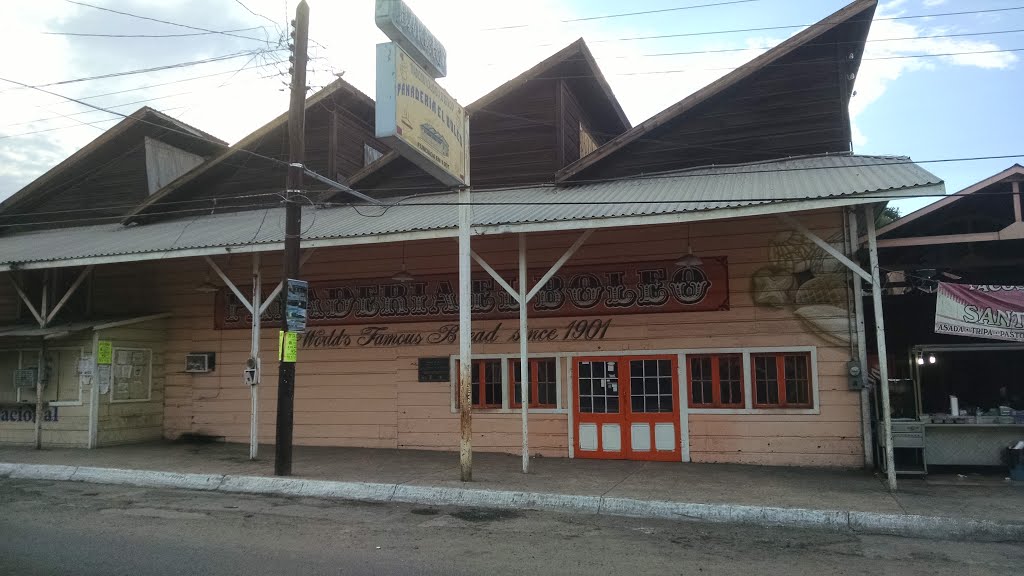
(697, 190)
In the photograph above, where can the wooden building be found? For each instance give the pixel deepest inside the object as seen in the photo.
(692, 277)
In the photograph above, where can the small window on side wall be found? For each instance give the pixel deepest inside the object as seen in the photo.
(486, 387)
(782, 380)
(543, 383)
(716, 381)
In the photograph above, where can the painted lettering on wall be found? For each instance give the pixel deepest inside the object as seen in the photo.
(386, 336)
(631, 288)
(26, 413)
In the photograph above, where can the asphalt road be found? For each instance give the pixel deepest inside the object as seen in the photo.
(83, 529)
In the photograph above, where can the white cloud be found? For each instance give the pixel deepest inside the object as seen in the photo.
(232, 104)
(882, 64)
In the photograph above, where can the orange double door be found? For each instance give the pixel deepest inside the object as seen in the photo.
(626, 407)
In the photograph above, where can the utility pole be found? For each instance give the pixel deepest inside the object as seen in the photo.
(293, 229)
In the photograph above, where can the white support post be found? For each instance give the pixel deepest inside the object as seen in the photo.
(559, 263)
(1016, 202)
(883, 368)
(524, 362)
(25, 300)
(465, 340)
(254, 353)
(828, 248)
(67, 295)
(46, 299)
(94, 394)
(497, 277)
(231, 285)
(862, 353)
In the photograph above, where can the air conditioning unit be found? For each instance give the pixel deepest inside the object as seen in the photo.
(199, 362)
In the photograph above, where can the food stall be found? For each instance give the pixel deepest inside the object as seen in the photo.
(970, 401)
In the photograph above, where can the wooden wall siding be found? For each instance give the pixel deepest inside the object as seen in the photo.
(514, 141)
(399, 178)
(165, 163)
(571, 117)
(794, 107)
(119, 423)
(111, 177)
(109, 189)
(362, 396)
(244, 174)
(130, 422)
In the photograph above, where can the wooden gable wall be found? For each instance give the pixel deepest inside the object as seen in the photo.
(336, 131)
(795, 106)
(515, 140)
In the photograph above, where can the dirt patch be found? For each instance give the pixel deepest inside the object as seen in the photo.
(424, 511)
(484, 515)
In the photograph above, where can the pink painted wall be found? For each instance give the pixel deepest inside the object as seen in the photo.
(784, 292)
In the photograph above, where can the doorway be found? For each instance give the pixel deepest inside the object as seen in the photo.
(627, 407)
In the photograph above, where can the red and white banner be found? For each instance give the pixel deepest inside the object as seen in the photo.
(980, 311)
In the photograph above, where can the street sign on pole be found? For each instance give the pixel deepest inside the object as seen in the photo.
(418, 118)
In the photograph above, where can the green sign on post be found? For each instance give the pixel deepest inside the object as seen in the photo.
(105, 352)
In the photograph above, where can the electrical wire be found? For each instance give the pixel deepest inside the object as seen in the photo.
(78, 3)
(749, 48)
(825, 22)
(185, 35)
(624, 14)
(182, 132)
(59, 115)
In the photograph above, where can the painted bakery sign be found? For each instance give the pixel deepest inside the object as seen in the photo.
(633, 288)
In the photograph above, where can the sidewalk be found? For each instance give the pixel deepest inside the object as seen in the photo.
(839, 499)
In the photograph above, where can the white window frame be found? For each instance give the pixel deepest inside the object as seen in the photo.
(506, 385)
(149, 384)
(39, 355)
(748, 380)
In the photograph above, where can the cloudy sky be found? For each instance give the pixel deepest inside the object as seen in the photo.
(934, 107)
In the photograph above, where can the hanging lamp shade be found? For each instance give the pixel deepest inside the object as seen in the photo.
(690, 259)
(402, 276)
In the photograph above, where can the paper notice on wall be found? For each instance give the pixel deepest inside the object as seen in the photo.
(85, 365)
(103, 377)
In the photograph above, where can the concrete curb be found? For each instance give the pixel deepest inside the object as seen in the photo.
(907, 525)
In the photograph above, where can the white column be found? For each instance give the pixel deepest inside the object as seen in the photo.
(94, 393)
(524, 362)
(862, 351)
(465, 342)
(254, 353)
(883, 368)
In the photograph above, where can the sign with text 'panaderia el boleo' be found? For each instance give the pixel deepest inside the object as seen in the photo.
(418, 118)
(607, 289)
(396, 20)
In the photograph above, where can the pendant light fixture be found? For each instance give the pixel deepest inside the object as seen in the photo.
(402, 275)
(689, 260)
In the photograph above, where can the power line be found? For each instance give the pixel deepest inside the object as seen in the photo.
(207, 30)
(185, 35)
(791, 26)
(59, 115)
(242, 4)
(624, 14)
(182, 132)
(144, 70)
(809, 63)
(869, 40)
(95, 123)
